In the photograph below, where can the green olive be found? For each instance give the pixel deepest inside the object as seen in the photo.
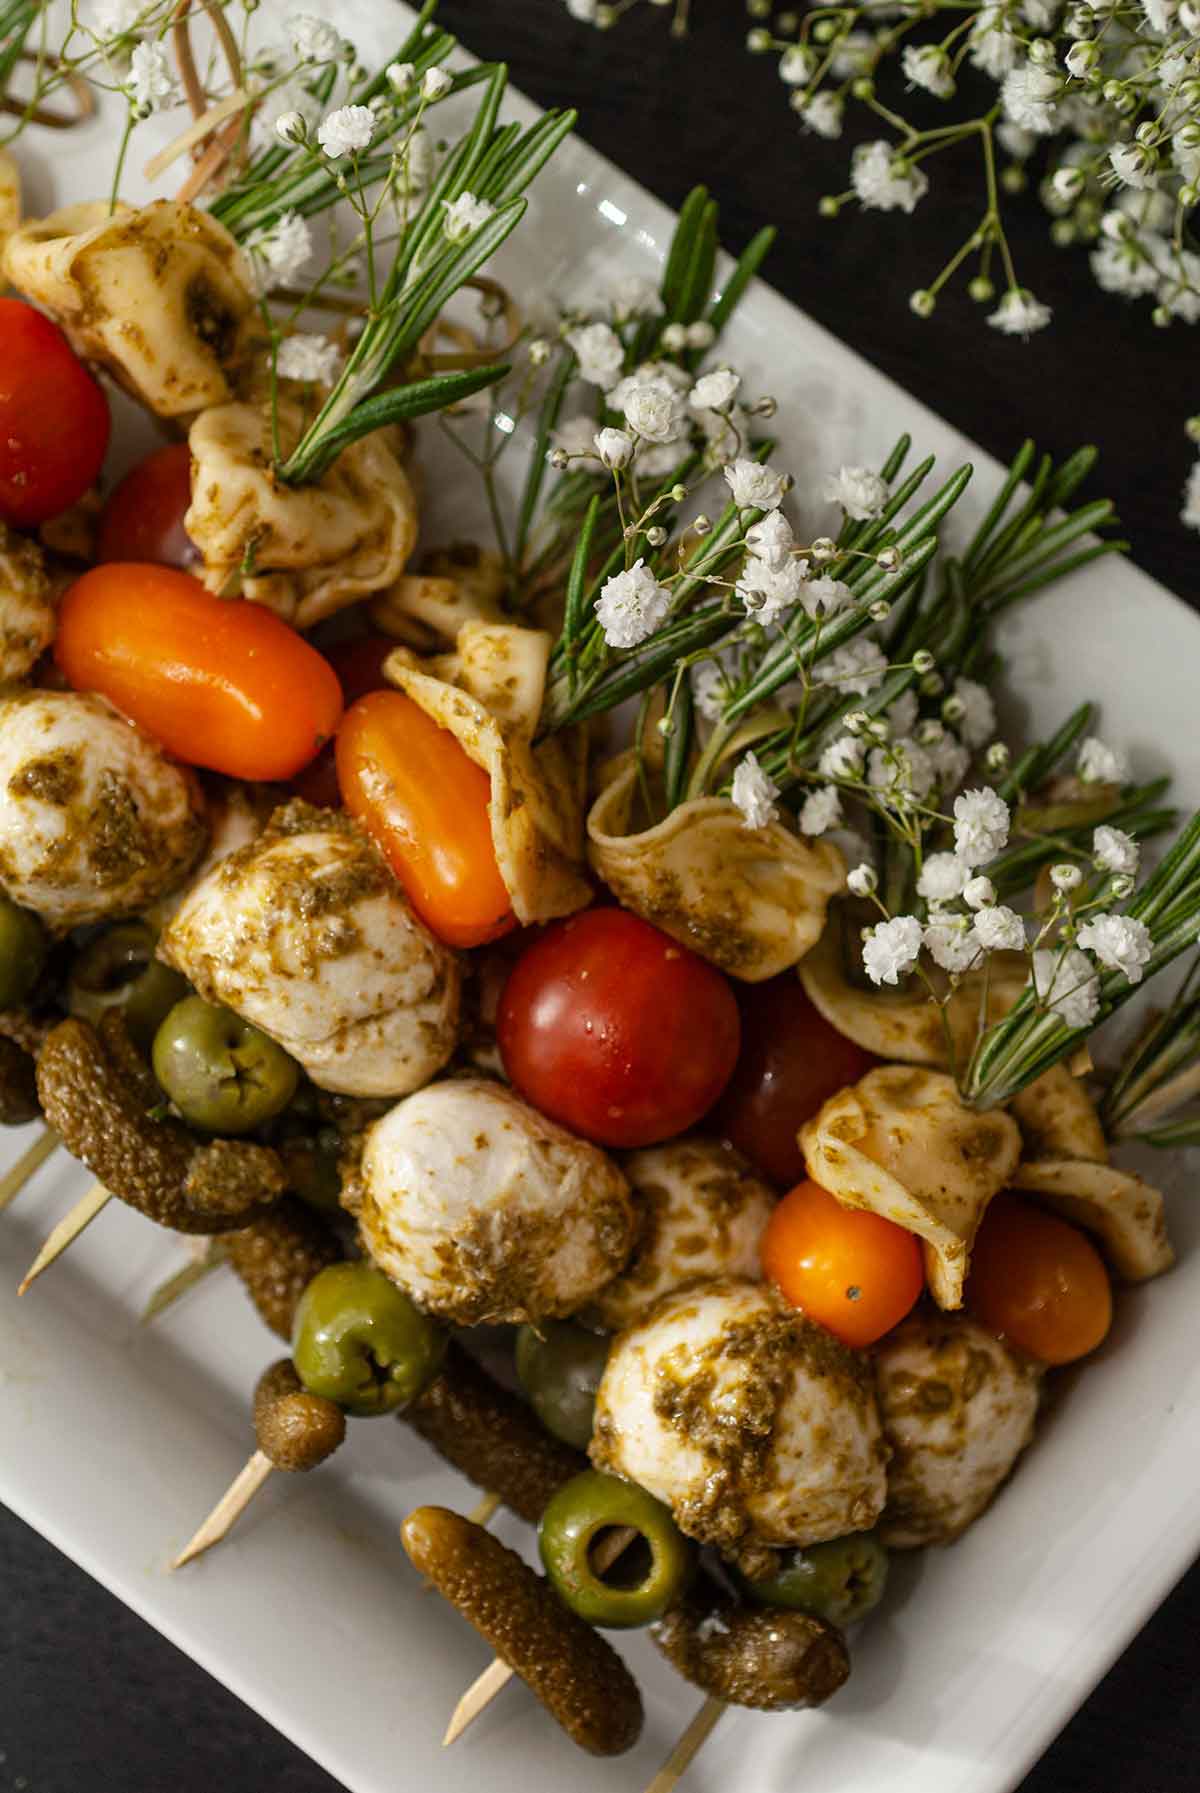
(118, 970)
(841, 1581)
(359, 1340)
(22, 953)
(560, 1366)
(223, 1075)
(643, 1582)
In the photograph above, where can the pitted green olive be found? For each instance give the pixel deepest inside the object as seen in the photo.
(223, 1075)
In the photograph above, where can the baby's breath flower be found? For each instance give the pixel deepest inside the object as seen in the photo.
(825, 596)
(859, 666)
(821, 811)
(313, 359)
(755, 487)
(891, 948)
(823, 114)
(714, 391)
(943, 877)
(599, 353)
(951, 762)
(883, 181)
(993, 43)
(631, 606)
(768, 593)
(952, 943)
(861, 493)
(1098, 764)
(1120, 942)
(771, 540)
(435, 84)
(1066, 983)
(1028, 95)
(754, 792)
(346, 131)
(1019, 313)
(1133, 164)
(797, 65)
(313, 40)
(1066, 877)
(843, 758)
(710, 689)
(151, 85)
(1115, 851)
(291, 127)
(862, 881)
(654, 409)
(614, 447)
(632, 296)
(928, 66)
(465, 215)
(116, 18)
(701, 334)
(998, 928)
(400, 76)
(977, 716)
(979, 892)
(980, 826)
(281, 249)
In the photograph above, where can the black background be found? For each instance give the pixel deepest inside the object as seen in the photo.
(90, 1698)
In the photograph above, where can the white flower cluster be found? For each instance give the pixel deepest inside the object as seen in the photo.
(965, 922)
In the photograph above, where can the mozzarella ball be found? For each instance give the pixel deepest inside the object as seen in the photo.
(26, 607)
(306, 934)
(958, 1409)
(755, 1426)
(487, 1212)
(236, 814)
(701, 1212)
(94, 820)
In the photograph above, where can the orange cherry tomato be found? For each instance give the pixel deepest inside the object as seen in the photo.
(219, 682)
(425, 805)
(854, 1272)
(359, 668)
(1039, 1282)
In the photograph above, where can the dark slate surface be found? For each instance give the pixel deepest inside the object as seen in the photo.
(90, 1698)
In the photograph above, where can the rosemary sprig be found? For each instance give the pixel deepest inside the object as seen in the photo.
(1151, 1079)
(492, 162)
(1032, 1037)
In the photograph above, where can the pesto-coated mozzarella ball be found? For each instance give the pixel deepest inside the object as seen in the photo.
(958, 1409)
(306, 934)
(755, 1426)
(94, 820)
(485, 1211)
(236, 815)
(26, 607)
(701, 1213)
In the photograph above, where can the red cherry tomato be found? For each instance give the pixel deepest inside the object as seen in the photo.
(54, 420)
(143, 519)
(220, 682)
(792, 1060)
(1039, 1282)
(425, 804)
(359, 668)
(611, 1027)
(853, 1272)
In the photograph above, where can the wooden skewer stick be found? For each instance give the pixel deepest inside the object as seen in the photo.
(228, 1509)
(485, 1512)
(169, 1292)
(197, 131)
(688, 1747)
(496, 1677)
(67, 1230)
(14, 1180)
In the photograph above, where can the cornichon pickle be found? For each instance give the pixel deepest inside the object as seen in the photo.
(95, 1096)
(278, 1257)
(764, 1657)
(491, 1437)
(294, 1429)
(578, 1677)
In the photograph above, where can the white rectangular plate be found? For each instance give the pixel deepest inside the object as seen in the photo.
(114, 1441)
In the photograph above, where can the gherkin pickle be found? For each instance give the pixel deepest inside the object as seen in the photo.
(652, 1570)
(360, 1341)
(842, 1580)
(560, 1366)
